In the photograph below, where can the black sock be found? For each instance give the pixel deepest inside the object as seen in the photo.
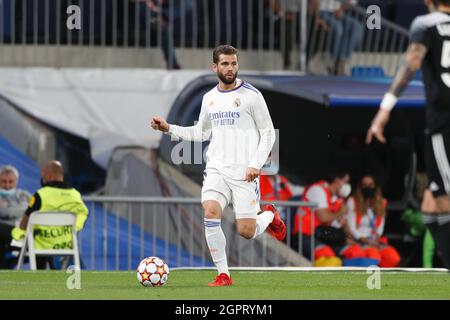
(440, 230)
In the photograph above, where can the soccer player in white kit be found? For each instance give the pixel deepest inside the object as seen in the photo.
(235, 115)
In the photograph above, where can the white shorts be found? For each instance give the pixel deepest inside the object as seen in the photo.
(243, 195)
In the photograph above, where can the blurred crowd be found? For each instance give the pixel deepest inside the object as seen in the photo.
(347, 226)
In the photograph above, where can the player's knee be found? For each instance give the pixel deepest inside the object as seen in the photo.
(211, 214)
(247, 235)
(246, 231)
(211, 210)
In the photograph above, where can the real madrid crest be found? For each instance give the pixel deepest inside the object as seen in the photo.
(237, 102)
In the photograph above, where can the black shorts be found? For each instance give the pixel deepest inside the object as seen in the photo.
(437, 152)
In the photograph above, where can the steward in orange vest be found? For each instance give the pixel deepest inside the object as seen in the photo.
(274, 188)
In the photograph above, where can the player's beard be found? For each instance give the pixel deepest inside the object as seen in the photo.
(225, 80)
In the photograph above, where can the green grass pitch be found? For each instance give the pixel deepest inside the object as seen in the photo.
(249, 285)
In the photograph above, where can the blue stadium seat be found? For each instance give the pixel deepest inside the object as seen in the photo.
(363, 71)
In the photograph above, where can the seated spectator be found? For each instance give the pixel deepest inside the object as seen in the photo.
(327, 222)
(287, 25)
(275, 187)
(54, 195)
(13, 201)
(366, 219)
(346, 32)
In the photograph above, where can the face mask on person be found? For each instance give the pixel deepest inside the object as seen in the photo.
(345, 190)
(368, 192)
(7, 193)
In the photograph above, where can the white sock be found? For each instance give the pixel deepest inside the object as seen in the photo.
(216, 243)
(262, 222)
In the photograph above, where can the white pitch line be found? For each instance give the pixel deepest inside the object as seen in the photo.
(318, 269)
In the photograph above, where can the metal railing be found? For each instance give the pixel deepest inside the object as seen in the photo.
(379, 47)
(276, 33)
(120, 231)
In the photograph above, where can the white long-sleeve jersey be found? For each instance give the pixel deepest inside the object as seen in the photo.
(240, 127)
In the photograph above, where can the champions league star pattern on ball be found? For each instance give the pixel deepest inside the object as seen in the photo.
(152, 272)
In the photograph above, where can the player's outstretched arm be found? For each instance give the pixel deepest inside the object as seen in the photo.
(201, 131)
(158, 123)
(412, 62)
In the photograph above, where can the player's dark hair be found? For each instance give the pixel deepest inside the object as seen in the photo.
(223, 49)
(446, 2)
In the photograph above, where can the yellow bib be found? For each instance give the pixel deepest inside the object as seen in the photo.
(58, 199)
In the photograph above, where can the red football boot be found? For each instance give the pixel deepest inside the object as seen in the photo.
(277, 228)
(221, 280)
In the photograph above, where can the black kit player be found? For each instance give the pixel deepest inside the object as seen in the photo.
(429, 50)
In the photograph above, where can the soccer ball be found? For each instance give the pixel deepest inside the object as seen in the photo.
(152, 272)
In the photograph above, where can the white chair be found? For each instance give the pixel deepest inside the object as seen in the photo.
(49, 219)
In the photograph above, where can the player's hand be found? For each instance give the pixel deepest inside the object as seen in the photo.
(251, 174)
(377, 127)
(160, 124)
